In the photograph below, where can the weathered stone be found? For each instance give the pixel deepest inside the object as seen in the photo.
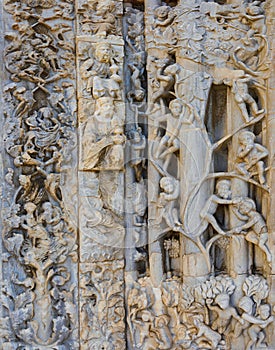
(137, 175)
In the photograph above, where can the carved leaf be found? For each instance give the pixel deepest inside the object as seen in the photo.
(256, 287)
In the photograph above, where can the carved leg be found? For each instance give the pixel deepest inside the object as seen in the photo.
(241, 169)
(261, 337)
(243, 109)
(265, 249)
(253, 105)
(260, 168)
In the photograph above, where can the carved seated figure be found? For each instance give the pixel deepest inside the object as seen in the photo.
(101, 73)
(103, 138)
(250, 156)
(104, 21)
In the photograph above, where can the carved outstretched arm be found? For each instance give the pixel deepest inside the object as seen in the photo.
(220, 200)
(246, 226)
(252, 319)
(213, 222)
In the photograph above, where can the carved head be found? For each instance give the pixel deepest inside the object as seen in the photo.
(264, 311)
(161, 321)
(162, 12)
(135, 135)
(254, 10)
(167, 184)
(46, 112)
(223, 188)
(246, 138)
(105, 107)
(30, 207)
(246, 206)
(146, 316)
(103, 52)
(176, 107)
(139, 95)
(47, 207)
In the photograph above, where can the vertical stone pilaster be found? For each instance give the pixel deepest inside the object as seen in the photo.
(100, 54)
(39, 153)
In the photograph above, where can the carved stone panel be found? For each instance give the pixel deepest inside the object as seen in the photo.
(137, 175)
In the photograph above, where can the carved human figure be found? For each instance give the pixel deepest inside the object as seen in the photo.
(43, 129)
(103, 137)
(29, 190)
(204, 332)
(255, 17)
(51, 218)
(104, 21)
(138, 144)
(114, 156)
(163, 24)
(143, 324)
(170, 143)
(224, 312)
(162, 332)
(167, 202)
(26, 101)
(101, 72)
(164, 16)
(255, 226)
(223, 196)
(29, 223)
(137, 93)
(139, 204)
(251, 324)
(243, 98)
(250, 156)
(256, 330)
(54, 163)
(162, 83)
(247, 55)
(9, 177)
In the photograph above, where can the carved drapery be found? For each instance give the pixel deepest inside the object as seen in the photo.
(137, 175)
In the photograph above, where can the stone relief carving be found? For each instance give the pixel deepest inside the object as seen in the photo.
(137, 175)
(101, 174)
(100, 18)
(102, 305)
(39, 236)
